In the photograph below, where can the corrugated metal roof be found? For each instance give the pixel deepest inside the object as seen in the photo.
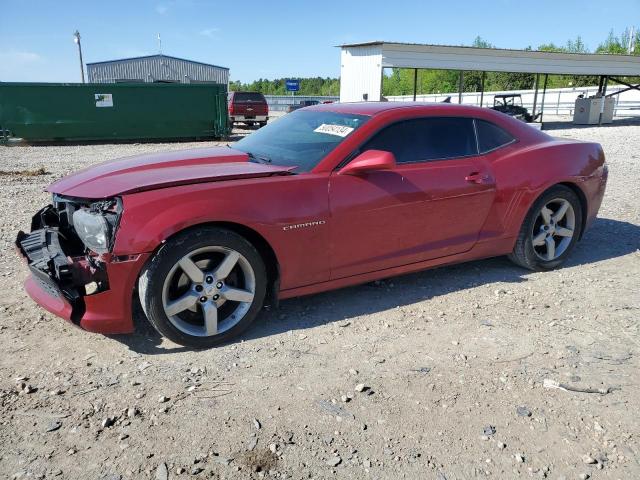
(155, 56)
(156, 68)
(447, 57)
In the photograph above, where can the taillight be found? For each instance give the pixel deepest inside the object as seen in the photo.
(231, 112)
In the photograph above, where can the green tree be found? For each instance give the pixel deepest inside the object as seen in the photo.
(308, 86)
(513, 80)
(550, 47)
(479, 42)
(612, 44)
(576, 46)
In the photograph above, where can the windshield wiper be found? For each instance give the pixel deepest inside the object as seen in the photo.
(259, 158)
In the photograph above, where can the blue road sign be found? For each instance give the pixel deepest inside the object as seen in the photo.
(293, 85)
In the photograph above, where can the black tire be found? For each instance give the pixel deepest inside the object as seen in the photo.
(524, 253)
(262, 124)
(152, 279)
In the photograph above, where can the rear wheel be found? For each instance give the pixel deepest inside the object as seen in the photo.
(203, 287)
(550, 230)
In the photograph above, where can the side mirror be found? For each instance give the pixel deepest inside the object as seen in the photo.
(369, 161)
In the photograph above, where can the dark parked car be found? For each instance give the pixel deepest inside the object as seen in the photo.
(302, 104)
(248, 107)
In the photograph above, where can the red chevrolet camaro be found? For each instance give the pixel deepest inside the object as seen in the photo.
(325, 197)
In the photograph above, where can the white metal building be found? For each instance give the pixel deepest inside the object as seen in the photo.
(156, 68)
(363, 64)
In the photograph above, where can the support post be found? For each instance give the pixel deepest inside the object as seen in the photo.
(484, 74)
(602, 99)
(600, 84)
(544, 93)
(460, 87)
(415, 83)
(76, 38)
(535, 96)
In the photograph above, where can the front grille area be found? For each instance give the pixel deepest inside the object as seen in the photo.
(42, 248)
(48, 263)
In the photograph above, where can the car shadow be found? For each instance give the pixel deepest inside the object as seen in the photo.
(346, 303)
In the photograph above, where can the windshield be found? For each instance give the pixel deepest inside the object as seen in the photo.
(300, 139)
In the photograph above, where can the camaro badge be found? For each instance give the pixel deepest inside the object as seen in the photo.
(303, 225)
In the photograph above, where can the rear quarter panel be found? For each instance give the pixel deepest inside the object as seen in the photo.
(524, 172)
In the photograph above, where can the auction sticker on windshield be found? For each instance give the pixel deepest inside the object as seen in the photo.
(339, 130)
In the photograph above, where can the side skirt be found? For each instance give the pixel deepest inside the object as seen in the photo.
(492, 248)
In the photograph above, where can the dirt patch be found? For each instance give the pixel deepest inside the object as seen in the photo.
(259, 460)
(24, 173)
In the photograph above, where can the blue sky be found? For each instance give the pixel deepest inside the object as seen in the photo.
(259, 39)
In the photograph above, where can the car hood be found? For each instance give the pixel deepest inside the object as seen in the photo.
(160, 170)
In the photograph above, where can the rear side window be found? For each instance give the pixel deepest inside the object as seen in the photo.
(425, 139)
(248, 97)
(491, 137)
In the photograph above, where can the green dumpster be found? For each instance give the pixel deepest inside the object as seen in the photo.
(112, 111)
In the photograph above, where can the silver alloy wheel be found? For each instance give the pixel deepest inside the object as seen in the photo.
(208, 291)
(553, 229)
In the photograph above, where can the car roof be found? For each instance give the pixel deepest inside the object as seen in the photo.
(374, 108)
(515, 127)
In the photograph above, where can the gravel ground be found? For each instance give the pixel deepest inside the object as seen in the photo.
(436, 375)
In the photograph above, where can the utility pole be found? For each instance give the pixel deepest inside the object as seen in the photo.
(76, 38)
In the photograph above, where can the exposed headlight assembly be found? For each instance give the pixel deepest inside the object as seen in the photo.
(93, 229)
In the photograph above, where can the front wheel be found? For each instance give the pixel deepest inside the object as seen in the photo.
(203, 287)
(550, 230)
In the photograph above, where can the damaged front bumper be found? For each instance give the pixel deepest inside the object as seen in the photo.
(92, 292)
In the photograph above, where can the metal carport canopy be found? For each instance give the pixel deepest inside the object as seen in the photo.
(371, 57)
(504, 60)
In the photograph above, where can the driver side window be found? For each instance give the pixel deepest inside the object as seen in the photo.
(426, 139)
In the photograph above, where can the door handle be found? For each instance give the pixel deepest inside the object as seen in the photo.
(477, 177)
